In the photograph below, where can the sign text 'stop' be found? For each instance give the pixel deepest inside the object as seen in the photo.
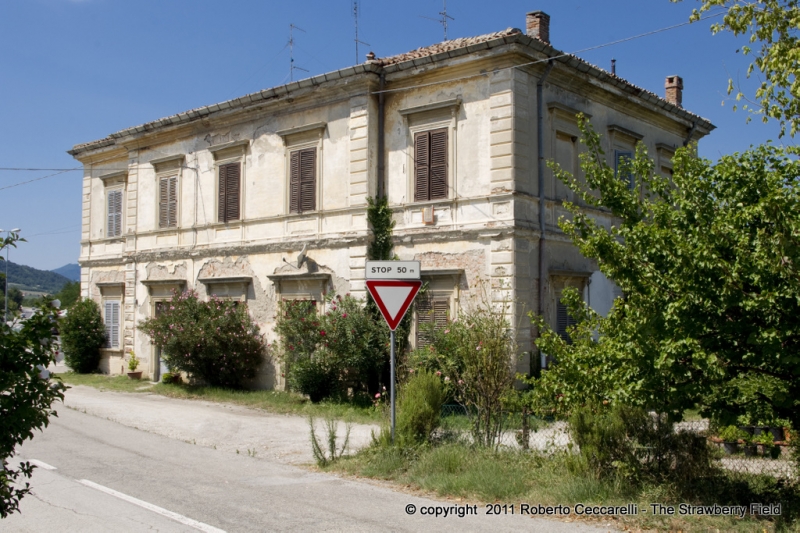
(393, 270)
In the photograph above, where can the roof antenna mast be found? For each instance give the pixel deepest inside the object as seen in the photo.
(292, 66)
(355, 17)
(443, 20)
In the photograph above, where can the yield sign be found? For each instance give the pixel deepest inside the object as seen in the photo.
(393, 297)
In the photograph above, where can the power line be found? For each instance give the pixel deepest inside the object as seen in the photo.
(37, 179)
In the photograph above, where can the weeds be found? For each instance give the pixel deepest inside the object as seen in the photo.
(322, 456)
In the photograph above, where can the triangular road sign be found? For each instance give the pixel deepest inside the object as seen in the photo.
(393, 297)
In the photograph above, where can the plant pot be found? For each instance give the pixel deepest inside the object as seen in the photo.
(135, 375)
(775, 452)
(751, 430)
(777, 433)
(730, 447)
(750, 450)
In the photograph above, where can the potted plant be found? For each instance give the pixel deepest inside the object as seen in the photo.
(767, 445)
(751, 444)
(133, 364)
(730, 436)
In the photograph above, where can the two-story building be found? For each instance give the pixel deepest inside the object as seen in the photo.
(222, 199)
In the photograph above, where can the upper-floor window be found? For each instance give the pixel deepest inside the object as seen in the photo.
(168, 181)
(622, 163)
(303, 180)
(114, 212)
(430, 165)
(114, 185)
(230, 175)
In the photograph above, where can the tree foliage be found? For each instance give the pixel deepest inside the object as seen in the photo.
(773, 27)
(69, 294)
(215, 341)
(26, 395)
(82, 335)
(708, 262)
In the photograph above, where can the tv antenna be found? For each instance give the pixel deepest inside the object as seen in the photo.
(355, 17)
(443, 20)
(292, 66)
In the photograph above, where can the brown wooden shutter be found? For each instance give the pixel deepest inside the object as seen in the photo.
(172, 205)
(308, 179)
(303, 180)
(438, 165)
(163, 203)
(563, 321)
(431, 311)
(229, 187)
(294, 182)
(421, 167)
(430, 165)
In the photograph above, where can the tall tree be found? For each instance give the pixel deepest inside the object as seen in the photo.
(709, 262)
(773, 27)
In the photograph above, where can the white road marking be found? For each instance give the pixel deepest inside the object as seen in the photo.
(154, 508)
(42, 464)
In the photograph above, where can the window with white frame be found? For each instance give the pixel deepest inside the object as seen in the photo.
(168, 182)
(431, 138)
(303, 146)
(114, 185)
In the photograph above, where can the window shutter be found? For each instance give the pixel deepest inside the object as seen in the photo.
(172, 206)
(108, 314)
(303, 180)
(621, 159)
(229, 187)
(563, 321)
(115, 324)
(163, 203)
(421, 168)
(294, 182)
(438, 164)
(308, 179)
(114, 220)
(431, 311)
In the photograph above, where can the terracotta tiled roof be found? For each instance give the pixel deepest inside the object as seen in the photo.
(447, 46)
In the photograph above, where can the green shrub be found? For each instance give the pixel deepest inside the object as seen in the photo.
(215, 341)
(419, 408)
(632, 445)
(327, 354)
(475, 356)
(315, 377)
(82, 335)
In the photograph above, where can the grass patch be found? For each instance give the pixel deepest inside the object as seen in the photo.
(514, 477)
(279, 402)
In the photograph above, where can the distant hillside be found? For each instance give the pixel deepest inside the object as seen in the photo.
(71, 271)
(33, 279)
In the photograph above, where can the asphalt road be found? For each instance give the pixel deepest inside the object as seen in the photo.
(98, 475)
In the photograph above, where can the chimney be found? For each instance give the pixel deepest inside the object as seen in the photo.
(674, 86)
(537, 26)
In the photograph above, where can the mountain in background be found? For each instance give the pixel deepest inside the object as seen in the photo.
(32, 279)
(71, 271)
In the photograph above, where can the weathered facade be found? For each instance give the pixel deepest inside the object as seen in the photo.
(222, 199)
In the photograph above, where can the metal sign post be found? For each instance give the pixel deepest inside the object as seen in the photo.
(393, 285)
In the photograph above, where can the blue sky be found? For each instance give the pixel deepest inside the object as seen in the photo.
(73, 71)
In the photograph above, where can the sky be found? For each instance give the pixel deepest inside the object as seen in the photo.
(73, 71)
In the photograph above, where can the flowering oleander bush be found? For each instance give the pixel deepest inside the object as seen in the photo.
(82, 335)
(327, 354)
(215, 341)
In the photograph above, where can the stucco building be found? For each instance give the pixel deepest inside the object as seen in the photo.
(223, 198)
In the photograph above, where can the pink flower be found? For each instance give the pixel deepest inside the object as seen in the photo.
(438, 373)
(410, 370)
(378, 395)
(322, 332)
(460, 381)
(446, 331)
(344, 315)
(446, 379)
